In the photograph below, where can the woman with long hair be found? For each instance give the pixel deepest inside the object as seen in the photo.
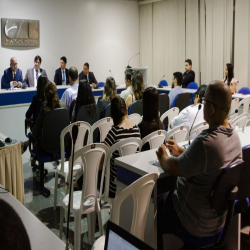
(108, 94)
(84, 97)
(229, 77)
(137, 88)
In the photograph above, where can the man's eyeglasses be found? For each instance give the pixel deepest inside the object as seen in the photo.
(204, 100)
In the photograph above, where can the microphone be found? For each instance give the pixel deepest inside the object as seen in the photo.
(131, 59)
(160, 80)
(111, 73)
(235, 112)
(75, 132)
(199, 107)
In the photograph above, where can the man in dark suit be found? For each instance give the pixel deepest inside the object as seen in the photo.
(13, 77)
(89, 76)
(62, 74)
(32, 74)
(189, 75)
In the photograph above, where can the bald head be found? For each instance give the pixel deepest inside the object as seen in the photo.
(13, 64)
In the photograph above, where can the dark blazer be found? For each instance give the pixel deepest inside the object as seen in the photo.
(188, 76)
(8, 77)
(91, 78)
(34, 108)
(58, 76)
(29, 78)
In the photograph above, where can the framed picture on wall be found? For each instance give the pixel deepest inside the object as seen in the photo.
(20, 32)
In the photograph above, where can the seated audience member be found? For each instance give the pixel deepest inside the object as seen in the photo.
(188, 75)
(88, 76)
(177, 89)
(32, 75)
(137, 88)
(187, 115)
(13, 77)
(85, 97)
(35, 106)
(229, 78)
(51, 102)
(70, 94)
(109, 93)
(62, 74)
(128, 75)
(151, 120)
(187, 210)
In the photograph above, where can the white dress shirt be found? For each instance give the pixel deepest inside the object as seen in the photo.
(63, 82)
(35, 80)
(70, 95)
(173, 93)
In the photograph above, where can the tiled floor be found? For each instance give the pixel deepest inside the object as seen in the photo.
(43, 208)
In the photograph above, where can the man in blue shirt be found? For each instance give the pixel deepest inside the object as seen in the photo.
(13, 77)
(177, 89)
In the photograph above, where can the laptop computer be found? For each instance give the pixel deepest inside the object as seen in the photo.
(119, 239)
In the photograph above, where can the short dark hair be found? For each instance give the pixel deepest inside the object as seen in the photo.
(86, 64)
(118, 109)
(128, 74)
(201, 91)
(38, 58)
(73, 73)
(189, 61)
(63, 58)
(178, 77)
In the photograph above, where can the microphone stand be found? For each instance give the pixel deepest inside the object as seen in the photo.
(131, 59)
(199, 107)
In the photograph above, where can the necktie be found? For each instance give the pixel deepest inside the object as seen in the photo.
(14, 77)
(63, 76)
(36, 74)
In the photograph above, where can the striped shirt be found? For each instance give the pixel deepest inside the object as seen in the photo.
(114, 135)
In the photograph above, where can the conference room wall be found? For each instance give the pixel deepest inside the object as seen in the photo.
(104, 33)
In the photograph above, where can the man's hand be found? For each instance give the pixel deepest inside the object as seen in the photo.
(93, 85)
(14, 83)
(19, 84)
(161, 153)
(173, 148)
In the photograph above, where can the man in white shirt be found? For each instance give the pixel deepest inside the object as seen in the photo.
(128, 75)
(70, 94)
(32, 75)
(177, 82)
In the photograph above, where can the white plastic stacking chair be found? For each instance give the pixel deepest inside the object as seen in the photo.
(240, 121)
(135, 118)
(197, 129)
(234, 106)
(171, 114)
(155, 139)
(85, 201)
(179, 134)
(124, 147)
(245, 102)
(141, 191)
(63, 167)
(104, 126)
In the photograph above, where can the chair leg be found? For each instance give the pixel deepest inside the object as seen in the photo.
(55, 190)
(43, 190)
(61, 220)
(77, 232)
(91, 227)
(99, 218)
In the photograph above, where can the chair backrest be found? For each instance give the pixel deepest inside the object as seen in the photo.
(163, 103)
(136, 107)
(135, 118)
(241, 121)
(155, 139)
(170, 114)
(108, 110)
(84, 115)
(71, 108)
(141, 191)
(192, 85)
(104, 125)
(234, 106)
(91, 156)
(124, 147)
(179, 134)
(54, 122)
(198, 128)
(182, 101)
(163, 83)
(244, 91)
(2, 82)
(83, 127)
(245, 102)
(101, 84)
(192, 98)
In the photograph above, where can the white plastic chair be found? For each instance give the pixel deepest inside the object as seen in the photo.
(124, 147)
(63, 167)
(179, 134)
(135, 118)
(245, 102)
(240, 121)
(155, 139)
(171, 114)
(141, 191)
(85, 201)
(234, 106)
(198, 128)
(104, 126)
